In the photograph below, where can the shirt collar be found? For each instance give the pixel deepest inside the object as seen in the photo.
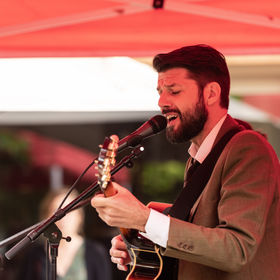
(201, 152)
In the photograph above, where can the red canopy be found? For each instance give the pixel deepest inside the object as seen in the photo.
(44, 153)
(135, 28)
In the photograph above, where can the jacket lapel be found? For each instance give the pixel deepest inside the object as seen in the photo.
(228, 124)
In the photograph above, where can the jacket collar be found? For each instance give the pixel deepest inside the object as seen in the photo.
(228, 124)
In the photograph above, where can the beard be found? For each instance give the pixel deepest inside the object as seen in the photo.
(192, 123)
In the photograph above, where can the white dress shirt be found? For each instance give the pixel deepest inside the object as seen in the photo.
(157, 226)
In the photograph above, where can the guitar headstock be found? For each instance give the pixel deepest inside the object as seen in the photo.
(106, 160)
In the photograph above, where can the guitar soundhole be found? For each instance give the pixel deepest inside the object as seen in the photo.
(145, 274)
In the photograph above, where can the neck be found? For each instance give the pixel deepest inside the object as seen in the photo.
(212, 120)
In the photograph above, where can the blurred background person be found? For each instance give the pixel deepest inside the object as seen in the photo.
(79, 259)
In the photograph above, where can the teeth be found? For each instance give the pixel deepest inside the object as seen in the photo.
(169, 117)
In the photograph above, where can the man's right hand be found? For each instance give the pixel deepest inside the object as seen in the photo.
(119, 254)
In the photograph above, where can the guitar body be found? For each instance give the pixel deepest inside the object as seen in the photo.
(147, 263)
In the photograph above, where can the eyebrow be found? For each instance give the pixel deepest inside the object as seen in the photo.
(168, 86)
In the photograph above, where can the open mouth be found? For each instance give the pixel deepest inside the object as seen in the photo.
(171, 117)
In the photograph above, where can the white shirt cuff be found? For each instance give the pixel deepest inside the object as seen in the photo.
(157, 228)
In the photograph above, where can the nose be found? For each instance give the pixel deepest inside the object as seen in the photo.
(163, 101)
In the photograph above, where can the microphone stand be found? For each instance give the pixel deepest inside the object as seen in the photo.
(48, 226)
(53, 235)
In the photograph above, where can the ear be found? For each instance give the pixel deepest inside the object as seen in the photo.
(212, 93)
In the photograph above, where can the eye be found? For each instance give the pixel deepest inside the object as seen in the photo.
(174, 92)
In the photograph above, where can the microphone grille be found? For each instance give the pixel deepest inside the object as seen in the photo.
(158, 123)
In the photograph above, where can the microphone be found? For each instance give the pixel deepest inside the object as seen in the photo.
(151, 127)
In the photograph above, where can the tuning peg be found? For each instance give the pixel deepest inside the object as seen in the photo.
(68, 238)
(114, 137)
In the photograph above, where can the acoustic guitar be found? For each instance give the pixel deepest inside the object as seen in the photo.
(146, 261)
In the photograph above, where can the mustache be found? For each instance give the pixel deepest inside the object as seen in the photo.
(165, 111)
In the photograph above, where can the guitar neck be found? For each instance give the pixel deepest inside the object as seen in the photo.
(128, 234)
(146, 260)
